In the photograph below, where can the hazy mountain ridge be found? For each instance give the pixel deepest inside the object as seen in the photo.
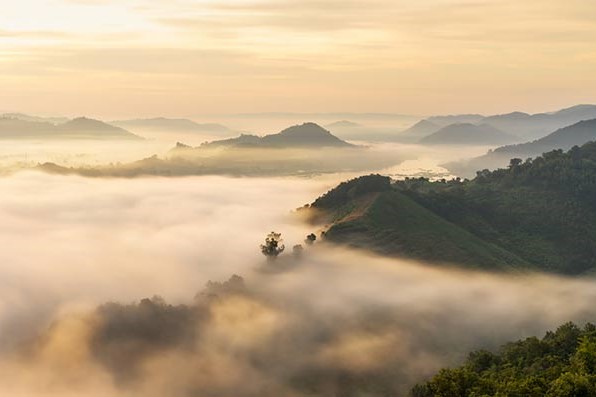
(468, 134)
(78, 128)
(305, 149)
(524, 125)
(27, 117)
(420, 130)
(564, 139)
(535, 215)
(173, 125)
(343, 124)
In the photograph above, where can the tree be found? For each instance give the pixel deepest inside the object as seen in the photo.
(513, 163)
(273, 245)
(297, 250)
(310, 239)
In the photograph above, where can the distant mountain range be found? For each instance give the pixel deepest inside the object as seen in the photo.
(536, 215)
(26, 117)
(343, 124)
(516, 124)
(468, 134)
(304, 135)
(564, 138)
(443, 121)
(173, 125)
(532, 126)
(306, 149)
(21, 127)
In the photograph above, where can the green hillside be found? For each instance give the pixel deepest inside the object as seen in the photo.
(537, 214)
(562, 364)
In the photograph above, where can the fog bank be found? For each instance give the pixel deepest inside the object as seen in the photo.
(335, 322)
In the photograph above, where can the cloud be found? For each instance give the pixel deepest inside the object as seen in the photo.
(435, 56)
(334, 323)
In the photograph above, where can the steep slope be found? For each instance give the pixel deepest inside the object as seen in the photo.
(468, 134)
(539, 215)
(299, 136)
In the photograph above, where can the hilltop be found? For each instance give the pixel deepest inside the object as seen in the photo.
(537, 215)
(298, 136)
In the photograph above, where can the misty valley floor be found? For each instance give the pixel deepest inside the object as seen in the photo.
(335, 322)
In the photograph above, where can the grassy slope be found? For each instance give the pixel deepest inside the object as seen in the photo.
(539, 214)
(395, 224)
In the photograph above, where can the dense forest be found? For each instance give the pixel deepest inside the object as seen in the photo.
(536, 214)
(562, 364)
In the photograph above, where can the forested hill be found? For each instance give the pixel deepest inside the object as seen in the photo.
(562, 364)
(538, 214)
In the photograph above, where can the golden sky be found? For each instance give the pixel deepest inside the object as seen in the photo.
(119, 58)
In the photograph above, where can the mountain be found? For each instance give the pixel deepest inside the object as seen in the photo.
(583, 112)
(26, 117)
(519, 124)
(304, 135)
(562, 363)
(533, 126)
(86, 127)
(443, 121)
(343, 124)
(564, 138)
(79, 128)
(535, 215)
(173, 125)
(244, 140)
(420, 130)
(468, 134)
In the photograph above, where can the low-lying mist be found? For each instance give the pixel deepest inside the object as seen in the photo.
(80, 255)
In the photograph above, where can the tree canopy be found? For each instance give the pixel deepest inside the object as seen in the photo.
(561, 364)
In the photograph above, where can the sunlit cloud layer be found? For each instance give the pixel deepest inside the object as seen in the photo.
(182, 57)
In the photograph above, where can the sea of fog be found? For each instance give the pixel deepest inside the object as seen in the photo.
(301, 326)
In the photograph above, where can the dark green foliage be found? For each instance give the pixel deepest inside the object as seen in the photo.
(559, 365)
(273, 245)
(126, 334)
(310, 239)
(537, 213)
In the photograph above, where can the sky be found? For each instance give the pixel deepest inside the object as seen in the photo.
(120, 58)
